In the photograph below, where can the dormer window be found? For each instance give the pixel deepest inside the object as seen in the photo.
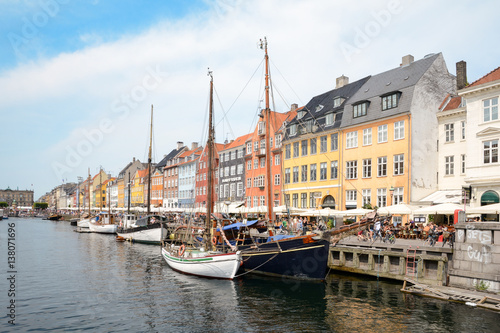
(330, 119)
(319, 107)
(390, 101)
(337, 101)
(293, 129)
(301, 114)
(359, 109)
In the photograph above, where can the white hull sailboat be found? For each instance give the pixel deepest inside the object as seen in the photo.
(103, 224)
(201, 263)
(83, 223)
(204, 262)
(141, 231)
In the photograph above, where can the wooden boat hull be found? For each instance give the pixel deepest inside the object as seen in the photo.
(150, 234)
(218, 266)
(297, 258)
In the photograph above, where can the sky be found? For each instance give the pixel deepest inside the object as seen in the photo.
(78, 78)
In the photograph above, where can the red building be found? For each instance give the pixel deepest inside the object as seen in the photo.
(201, 187)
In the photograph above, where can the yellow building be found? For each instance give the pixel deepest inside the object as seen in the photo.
(95, 195)
(137, 189)
(121, 193)
(312, 151)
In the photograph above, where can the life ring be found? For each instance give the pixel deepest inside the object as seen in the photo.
(214, 240)
(182, 248)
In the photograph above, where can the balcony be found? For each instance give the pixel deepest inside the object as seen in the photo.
(261, 152)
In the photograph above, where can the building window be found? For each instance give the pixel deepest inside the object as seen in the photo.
(322, 171)
(303, 145)
(262, 200)
(303, 200)
(449, 165)
(314, 146)
(462, 126)
(382, 166)
(312, 175)
(322, 144)
(256, 146)
(256, 163)
(295, 200)
(462, 164)
(295, 174)
(334, 169)
(249, 182)
(490, 109)
(277, 159)
(277, 179)
(337, 101)
(398, 195)
(329, 119)
(334, 144)
(390, 101)
(312, 200)
(249, 165)
(288, 151)
(351, 169)
(449, 130)
(256, 201)
(352, 139)
(277, 141)
(381, 197)
(233, 170)
(303, 177)
(367, 193)
(367, 136)
(382, 133)
(398, 164)
(293, 129)
(490, 151)
(351, 196)
(226, 171)
(287, 176)
(367, 168)
(240, 169)
(359, 110)
(240, 153)
(287, 199)
(399, 130)
(262, 162)
(296, 149)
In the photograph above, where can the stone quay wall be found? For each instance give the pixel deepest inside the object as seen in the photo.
(476, 257)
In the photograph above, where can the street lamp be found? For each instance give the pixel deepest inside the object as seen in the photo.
(392, 193)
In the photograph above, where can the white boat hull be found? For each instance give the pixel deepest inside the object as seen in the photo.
(219, 266)
(103, 228)
(148, 236)
(83, 223)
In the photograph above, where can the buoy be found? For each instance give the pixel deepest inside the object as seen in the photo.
(182, 249)
(172, 236)
(120, 239)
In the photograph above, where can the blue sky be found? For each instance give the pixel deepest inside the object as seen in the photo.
(78, 77)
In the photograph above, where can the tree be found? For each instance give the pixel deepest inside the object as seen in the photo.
(40, 205)
(4, 204)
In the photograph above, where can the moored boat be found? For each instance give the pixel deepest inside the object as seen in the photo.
(148, 230)
(103, 223)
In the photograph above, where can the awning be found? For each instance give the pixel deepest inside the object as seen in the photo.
(445, 196)
(238, 225)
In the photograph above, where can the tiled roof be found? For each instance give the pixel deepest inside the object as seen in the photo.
(453, 103)
(494, 75)
(239, 141)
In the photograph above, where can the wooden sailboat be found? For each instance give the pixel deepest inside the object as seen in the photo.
(85, 219)
(301, 256)
(147, 230)
(205, 261)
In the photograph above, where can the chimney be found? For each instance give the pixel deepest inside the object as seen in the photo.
(461, 74)
(341, 81)
(294, 107)
(194, 145)
(407, 59)
(133, 159)
(180, 144)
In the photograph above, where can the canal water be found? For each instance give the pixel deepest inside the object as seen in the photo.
(67, 281)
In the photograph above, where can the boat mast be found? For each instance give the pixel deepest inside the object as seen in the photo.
(88, 191)
(210, 143)
(149, 162)
(267, 120)
(100, 188)
(128, 201)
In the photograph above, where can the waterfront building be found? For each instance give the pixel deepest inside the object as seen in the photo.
(255, 158)
(125, 176)
(168, 170)
(137, 188)
(311, 156)
(112, 193)
(201, 182)
(231, 174)
(23, 198)
(483, 135)
(187, 166)
(387, 137)
(95, 195)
